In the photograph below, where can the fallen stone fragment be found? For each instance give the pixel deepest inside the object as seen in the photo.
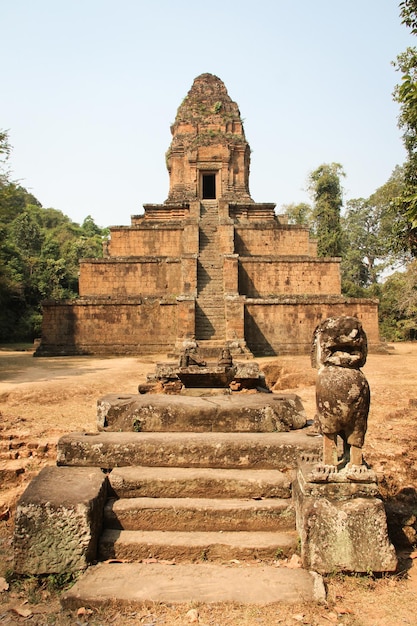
(22, 611)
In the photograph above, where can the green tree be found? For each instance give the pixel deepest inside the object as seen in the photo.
(301, 214)
(39, 254)
(398, 305)
(27, 234)
(369, 227)
(408, 11)
(406, 95)
(325, 187)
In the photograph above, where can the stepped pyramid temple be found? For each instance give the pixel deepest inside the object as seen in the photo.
(209, 265)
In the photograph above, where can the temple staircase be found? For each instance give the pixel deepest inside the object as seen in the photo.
(210, 503)
(210, 323)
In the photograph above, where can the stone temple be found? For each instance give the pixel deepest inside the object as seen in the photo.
(209, 265)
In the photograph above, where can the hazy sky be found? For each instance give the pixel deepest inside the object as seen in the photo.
(90, 88)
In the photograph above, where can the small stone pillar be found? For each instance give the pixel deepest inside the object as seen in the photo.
(185, 322)
(226, 237)
(59, 520)
(341, 523)
(190, 234)
(230, 274)
(189, 274)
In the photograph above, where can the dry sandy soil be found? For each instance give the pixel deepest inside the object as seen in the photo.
(42, 398)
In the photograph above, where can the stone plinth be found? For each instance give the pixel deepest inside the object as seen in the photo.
(58, 521)
(341, 523)
(263, 412)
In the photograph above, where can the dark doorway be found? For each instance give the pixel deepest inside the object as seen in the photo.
(209, 186)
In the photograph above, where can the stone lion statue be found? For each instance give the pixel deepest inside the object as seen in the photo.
(339, 350)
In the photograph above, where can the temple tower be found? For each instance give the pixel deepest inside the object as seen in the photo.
(208, 265)
(208, 163)
(209, 157)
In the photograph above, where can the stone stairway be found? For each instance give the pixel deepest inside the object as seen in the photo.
(210, 503)
(194, 500)
(210, 313)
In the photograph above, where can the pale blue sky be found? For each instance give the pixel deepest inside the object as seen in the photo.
(90, 88)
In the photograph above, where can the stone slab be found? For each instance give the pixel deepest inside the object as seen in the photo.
(346, 534)
(217, 450)
(195, 514)
(136, 545)
(181, 482)
(58, 520)
(259, 412)
(130, 583)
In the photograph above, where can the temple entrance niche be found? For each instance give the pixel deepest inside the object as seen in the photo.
(208, 185)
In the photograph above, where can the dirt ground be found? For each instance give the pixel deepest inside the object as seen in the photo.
(40, 399)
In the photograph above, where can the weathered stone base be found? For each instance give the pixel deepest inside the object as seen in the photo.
(263, 412)
(342, 525)
(59, 520)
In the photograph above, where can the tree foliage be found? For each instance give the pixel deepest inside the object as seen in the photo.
(39, 254)
(408, 11)
(406, 95)
(300, 214)
(326, 189)
(398, 305)
(369, 244)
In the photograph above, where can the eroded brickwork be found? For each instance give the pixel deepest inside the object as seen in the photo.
(138, 326)
(266, 276)
(145, 241)
(262, 240)
(147, 276)
(284, 325)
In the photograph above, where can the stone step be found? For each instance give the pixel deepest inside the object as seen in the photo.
(211, 272)
(208, 230)
(199, 514)
(136, 583)
(176, 482)
(210, 254)
(209, 315)
(19, 448)
(218, 450)
(210, 349)
(12, 470)
(206, 309)
(210, 275)
(211, 303)
(207, 291)
(214, 282)
(211, 285)
(136, 545)
(257, 412)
